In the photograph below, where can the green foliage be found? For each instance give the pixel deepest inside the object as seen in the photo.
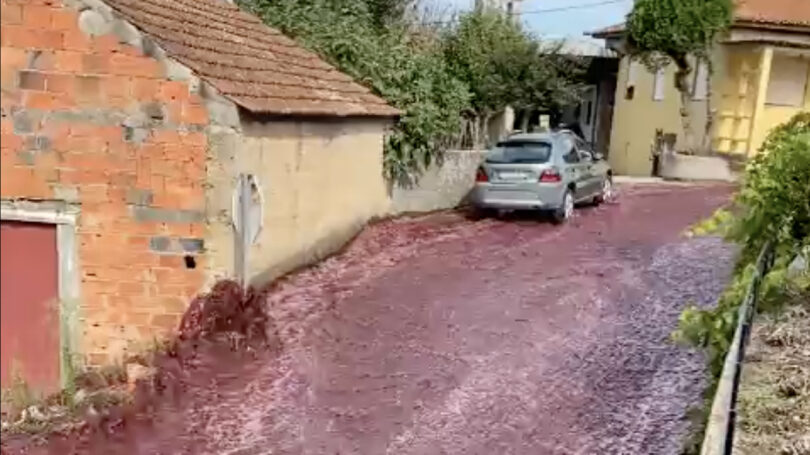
(477, 51)
(712, 329)
(774, 202)
(680, 31)
(505, 66)
(388, 12)
(717, 224)
(434, 77)
(677, 28)
(364, 39)
(773, 205)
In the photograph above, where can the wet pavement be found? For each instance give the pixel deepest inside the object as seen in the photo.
(442, 335)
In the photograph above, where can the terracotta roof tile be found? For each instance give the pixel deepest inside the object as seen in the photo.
(776, 12)
(609, 31)
(248, 62)
(781, 12)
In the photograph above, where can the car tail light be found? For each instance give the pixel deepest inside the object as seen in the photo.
(550, 176)
(481, 175)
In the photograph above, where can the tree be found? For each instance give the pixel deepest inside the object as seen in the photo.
(505, 66)
(389, 12)
(368, 42)
(545, 79)
(660, 31)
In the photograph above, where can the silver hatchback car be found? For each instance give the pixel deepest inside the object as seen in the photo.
(542, 171)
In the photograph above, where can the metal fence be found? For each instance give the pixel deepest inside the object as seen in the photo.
(719, 436)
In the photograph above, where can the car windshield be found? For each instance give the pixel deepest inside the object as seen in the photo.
(520, 152)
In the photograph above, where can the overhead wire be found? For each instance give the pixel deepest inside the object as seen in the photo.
(548, 10)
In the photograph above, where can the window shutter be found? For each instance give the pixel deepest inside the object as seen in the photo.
(788, 81)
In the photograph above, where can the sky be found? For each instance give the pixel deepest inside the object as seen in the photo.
(556, 24)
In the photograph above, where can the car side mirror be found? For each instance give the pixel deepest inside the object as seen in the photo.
(598, 157)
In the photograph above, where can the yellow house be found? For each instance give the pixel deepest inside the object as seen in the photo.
(761, 79)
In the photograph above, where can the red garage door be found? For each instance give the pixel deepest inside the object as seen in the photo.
(29, 307)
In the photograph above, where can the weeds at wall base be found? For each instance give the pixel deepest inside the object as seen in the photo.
(28, 412)
(227, 318)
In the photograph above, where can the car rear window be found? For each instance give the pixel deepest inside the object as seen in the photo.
(520, 152)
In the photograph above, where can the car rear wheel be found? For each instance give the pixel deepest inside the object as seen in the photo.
(607, 192)
(480, 213)
(566, 210)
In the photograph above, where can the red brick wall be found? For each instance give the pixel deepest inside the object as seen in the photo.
(91, 121)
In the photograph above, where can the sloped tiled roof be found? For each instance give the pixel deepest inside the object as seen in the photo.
(764, 12)
(254, 65)
(585, 48)
(779, 12)
(608, 31)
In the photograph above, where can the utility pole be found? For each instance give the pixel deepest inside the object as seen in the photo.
(509, 7)
(513, 8)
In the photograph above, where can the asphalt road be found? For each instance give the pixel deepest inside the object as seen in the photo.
(441, 335)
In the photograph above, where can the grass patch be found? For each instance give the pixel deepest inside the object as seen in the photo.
(25, 411)
(774, 400)
(712, 330)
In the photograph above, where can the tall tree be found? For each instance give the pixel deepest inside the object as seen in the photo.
(505, 66)
(389, 12)
(679, 31)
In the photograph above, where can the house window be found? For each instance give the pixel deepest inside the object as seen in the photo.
(632, 75)
(700, 86)
(658, 84)
(788, 81)
(589, 112)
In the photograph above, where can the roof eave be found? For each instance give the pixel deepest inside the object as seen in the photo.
(776, 26)
(740, 22)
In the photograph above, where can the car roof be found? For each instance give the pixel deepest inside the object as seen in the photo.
(531, 137)
(551, 137)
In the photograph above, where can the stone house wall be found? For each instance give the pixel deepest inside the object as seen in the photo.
(321, 181)
(99, 122)
(94, 118)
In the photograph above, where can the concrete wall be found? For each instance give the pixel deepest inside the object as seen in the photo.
(636, 120)
(691, 167)
(95, 126)
(743, 118)
(321, 181)
(442, 186)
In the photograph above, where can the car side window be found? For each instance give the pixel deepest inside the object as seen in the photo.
(585, 155)
(568, 145)
(584, 150)
(571, 156)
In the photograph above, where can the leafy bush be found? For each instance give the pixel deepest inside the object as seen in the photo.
(505, 66)
(774, 202)
(773, 205)
(677, 28)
